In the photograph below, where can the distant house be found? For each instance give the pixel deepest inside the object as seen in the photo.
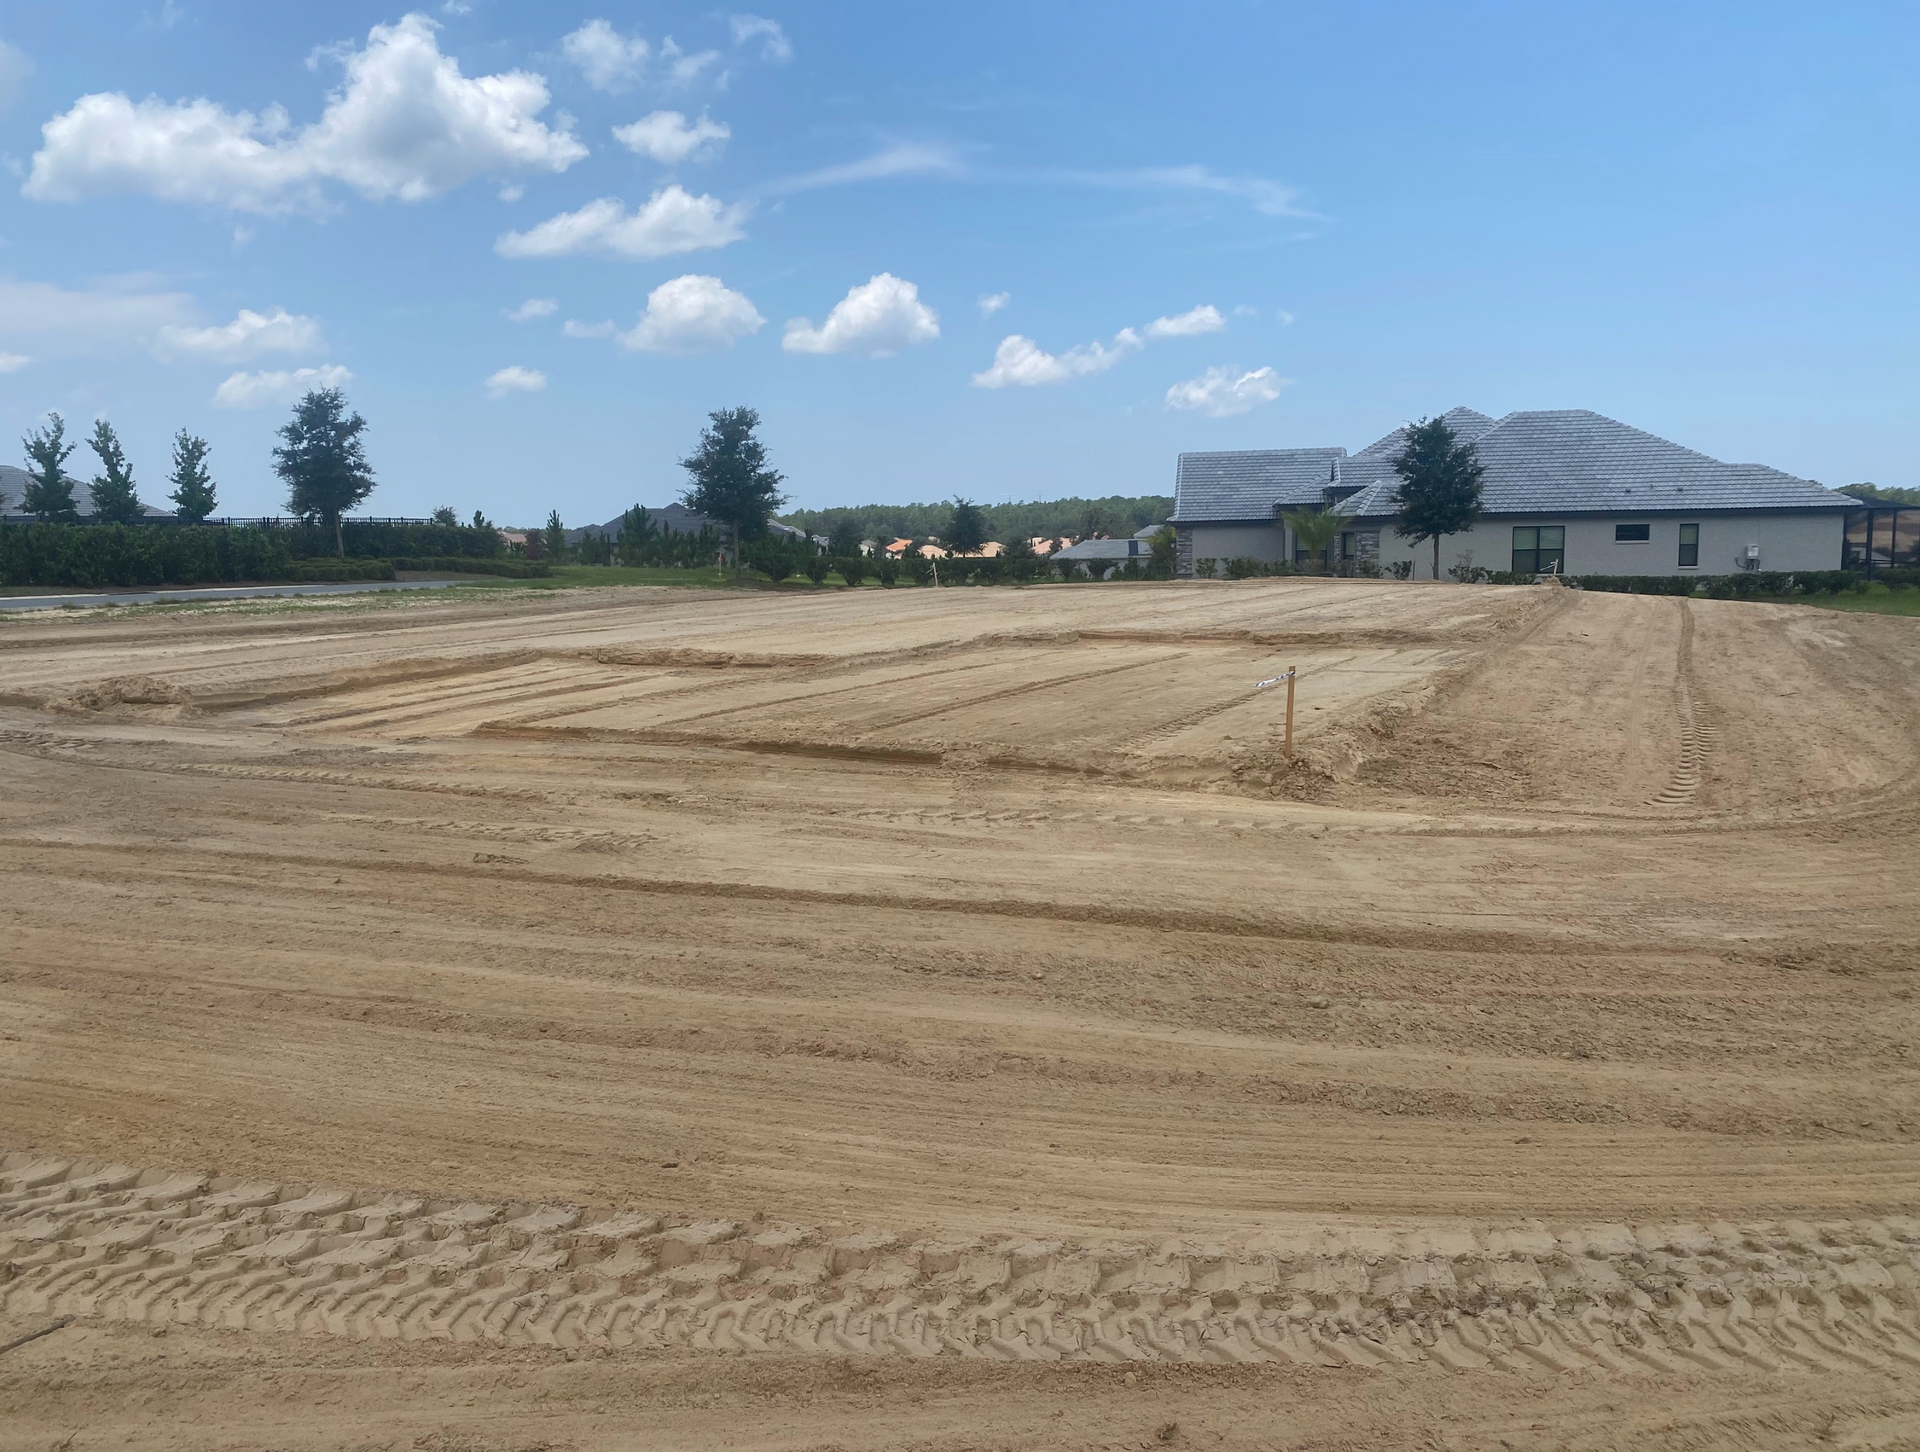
(13, 489)
(1101, 555)
(1566, 491)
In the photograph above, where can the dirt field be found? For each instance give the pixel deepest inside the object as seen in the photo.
(670, 1018)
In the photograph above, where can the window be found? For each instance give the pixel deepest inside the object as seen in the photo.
(1539, 549)
(1632, 533)
(1689, 546)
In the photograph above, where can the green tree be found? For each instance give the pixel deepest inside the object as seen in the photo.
(322, 461)
(730, 480)
(1164, 542)
(114, 499)
(966, 528)
(1314, 530)
(192, 493)
(480, 521)
(445, 515)
(843, 538)
(553, 538)
(49, 492)
(1439, 490)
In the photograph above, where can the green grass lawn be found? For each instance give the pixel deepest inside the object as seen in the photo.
(1876, 599)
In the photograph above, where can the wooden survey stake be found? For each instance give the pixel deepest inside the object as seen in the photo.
(1289, 713)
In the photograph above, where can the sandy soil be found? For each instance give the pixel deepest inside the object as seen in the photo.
(630, 1018)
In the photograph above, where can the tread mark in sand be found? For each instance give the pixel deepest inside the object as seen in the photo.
(116, 1243)
(1698, 734)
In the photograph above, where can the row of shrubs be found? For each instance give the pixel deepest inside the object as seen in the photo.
(1745, 585)
(372, 540)
(778, 563)
(87, 556)
(306, 572)
(511, 569)
(92, 556)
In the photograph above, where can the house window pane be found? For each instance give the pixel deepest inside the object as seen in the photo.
(1689, 546)
(1553, 550)
(1632, 533)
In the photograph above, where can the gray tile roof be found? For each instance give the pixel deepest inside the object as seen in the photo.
(1551, 461)
(13, 486)
(1106, 549)
(1466, 423)
(1246, 486)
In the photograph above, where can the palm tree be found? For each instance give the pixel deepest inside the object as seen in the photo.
(1314, 530)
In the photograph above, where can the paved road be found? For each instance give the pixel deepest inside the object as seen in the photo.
(224, 592)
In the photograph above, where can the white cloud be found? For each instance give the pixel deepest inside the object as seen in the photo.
(609, 60)
(1021, 363)
(405, 125)
(13, 362)
(673, 220)
(876, 319)
(533, 307)
(904, 160)
(1286, 318)
(692, 314)
(1274, 199)
(15, 68)
(258, 390)
(575, 329)
(1223, 392)
(992, 302)
(248, 336)
(684, 69)
(668, 137)
(774, 43)
(109, 318)
(1203, 319)
(515, 379)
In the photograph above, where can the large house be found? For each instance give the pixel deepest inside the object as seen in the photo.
(1565, 491)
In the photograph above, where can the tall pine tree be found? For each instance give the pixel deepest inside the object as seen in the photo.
(49, 492)
(192, 493)
(114, 499)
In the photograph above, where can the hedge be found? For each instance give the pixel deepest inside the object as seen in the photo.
(469, 565)
(91, 555)
(367, 540)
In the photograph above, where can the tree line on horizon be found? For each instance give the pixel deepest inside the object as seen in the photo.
(1070, 517)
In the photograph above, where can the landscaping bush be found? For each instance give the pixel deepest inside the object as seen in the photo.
(888, 569)
(511, 569)
(1401, 569)
(88, 556)
(365, 539)
(774, 560)
(852, 569)
(335, 570)
(1206, 569)
(817, 568)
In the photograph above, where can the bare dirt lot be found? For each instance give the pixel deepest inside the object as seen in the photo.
(948, 1019)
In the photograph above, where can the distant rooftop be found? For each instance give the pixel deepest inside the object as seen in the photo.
(1551, 461)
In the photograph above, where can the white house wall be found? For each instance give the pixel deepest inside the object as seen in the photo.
(1805, 541)
(1264, 542)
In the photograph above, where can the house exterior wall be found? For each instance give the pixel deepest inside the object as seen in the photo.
(1265, 542)
(1807, 540)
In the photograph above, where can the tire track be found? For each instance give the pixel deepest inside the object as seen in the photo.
(118, 1243)
(1698, 734)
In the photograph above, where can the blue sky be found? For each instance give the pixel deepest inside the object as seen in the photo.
(1010, 251)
